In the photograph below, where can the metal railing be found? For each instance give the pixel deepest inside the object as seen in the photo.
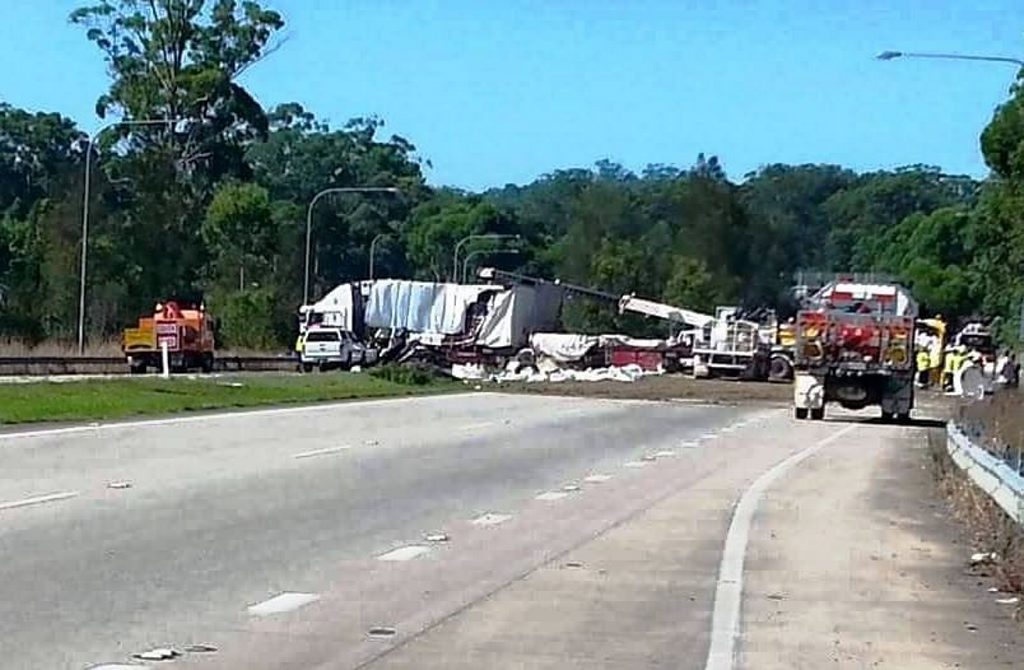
(1000, 477)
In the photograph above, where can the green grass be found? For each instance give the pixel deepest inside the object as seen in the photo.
(120, 398)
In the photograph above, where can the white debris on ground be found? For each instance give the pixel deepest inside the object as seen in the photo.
(626, 373)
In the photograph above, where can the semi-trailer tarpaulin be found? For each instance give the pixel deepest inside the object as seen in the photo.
(421, 307)
(514, 313)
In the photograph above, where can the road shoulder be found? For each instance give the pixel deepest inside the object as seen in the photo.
(854, 562)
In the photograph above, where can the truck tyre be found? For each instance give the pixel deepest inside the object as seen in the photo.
(780, 369)
(307, 367)
(800, 412)
(903, 417)
(818, 413)
(138, 368)
(886, 416)
(206, 364)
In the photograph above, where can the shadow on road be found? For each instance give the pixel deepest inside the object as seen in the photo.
(879, 421)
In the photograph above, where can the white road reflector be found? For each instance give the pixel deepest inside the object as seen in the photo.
(281, 603)
(596, 479)
(404, 553)
(552, 495)
(321, 452)
(490, 519)
(38, 500)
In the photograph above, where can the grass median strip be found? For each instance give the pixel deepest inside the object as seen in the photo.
(121, 398)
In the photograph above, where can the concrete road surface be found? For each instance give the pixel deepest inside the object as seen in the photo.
(472, 531)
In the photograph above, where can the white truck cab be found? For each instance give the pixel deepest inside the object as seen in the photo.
(325, 348)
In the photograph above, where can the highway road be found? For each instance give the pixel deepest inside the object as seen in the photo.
(479, 530)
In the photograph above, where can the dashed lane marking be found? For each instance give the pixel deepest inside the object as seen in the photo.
(490, 519)
(552, 495)
(404, 553)
(38, 500)
(597, 479)
(322, 452)
(281, 603)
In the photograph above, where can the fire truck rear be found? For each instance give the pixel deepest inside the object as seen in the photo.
(855, 347)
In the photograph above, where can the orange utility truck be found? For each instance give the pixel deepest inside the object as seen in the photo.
(187, 333)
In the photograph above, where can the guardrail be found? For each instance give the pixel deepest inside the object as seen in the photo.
(998, 478)
(71, 365)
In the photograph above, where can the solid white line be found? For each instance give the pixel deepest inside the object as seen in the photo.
(404, 553)
(25, 502)
(552, 495)
(241, 414)
(281, 603)
(321, 452)
(725, 622)
(490, 519)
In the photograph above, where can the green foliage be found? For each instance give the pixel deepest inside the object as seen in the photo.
(247, 320)
(411, 374)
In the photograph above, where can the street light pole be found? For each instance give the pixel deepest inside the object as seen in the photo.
(892, 55)
(470, 238)
(477, 252)
(309, 221)
(373, 247)
(85, 214)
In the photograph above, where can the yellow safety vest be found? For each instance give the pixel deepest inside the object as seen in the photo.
(923, 361)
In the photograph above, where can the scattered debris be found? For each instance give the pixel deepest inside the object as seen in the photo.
(119, 485)
(776, 596)
(436, 537)
(982, 558)
(571, 487)
(573, 564)
(200, 648)
(1008, 601)
(381, 631)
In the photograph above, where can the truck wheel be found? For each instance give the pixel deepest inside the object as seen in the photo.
(138, 368)
(207, 363)
(307, 367)
(903, 417)
(818, 413)
(800, 412)
(780, 370)
(886, 416)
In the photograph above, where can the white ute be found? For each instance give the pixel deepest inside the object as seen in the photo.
(327, 348)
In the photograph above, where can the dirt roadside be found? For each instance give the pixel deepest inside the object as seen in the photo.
(661, 387)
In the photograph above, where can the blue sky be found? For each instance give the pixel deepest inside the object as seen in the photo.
(494, 92)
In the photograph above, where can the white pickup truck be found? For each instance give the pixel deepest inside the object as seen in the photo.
(326, 348)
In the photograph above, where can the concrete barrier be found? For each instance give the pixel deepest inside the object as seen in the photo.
(993, 475)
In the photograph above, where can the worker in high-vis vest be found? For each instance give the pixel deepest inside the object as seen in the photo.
(924, 366)
(949, 366)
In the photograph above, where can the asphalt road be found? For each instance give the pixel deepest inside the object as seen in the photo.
(115, 539)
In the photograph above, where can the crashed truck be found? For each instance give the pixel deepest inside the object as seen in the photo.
(855, 347)
(440, 323)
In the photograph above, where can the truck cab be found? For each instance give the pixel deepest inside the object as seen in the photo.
(325, 347)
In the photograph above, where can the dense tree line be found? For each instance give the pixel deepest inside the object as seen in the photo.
(211, 204)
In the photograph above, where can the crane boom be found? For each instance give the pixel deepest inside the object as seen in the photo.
(629, 303)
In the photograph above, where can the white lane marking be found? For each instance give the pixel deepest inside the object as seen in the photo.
(404, 553)
(597, 479)
(321, 452)
(490, 519)
(665, 453)
(709, 436)
(477, 426)
(552, 495)
(690, 444)
(281, 603)
(725, 622)
(242, 414)
(38, 500)
(633, 464)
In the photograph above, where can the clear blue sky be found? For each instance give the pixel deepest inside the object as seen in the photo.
(498, 91)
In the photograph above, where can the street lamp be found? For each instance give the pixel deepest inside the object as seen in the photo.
(477, 252)
(892, 55)
(309, 220)
(85, 214)
(470, 238)
(373, 246)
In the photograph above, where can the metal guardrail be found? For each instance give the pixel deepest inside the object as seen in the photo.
(63, 365)
(998, 478)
